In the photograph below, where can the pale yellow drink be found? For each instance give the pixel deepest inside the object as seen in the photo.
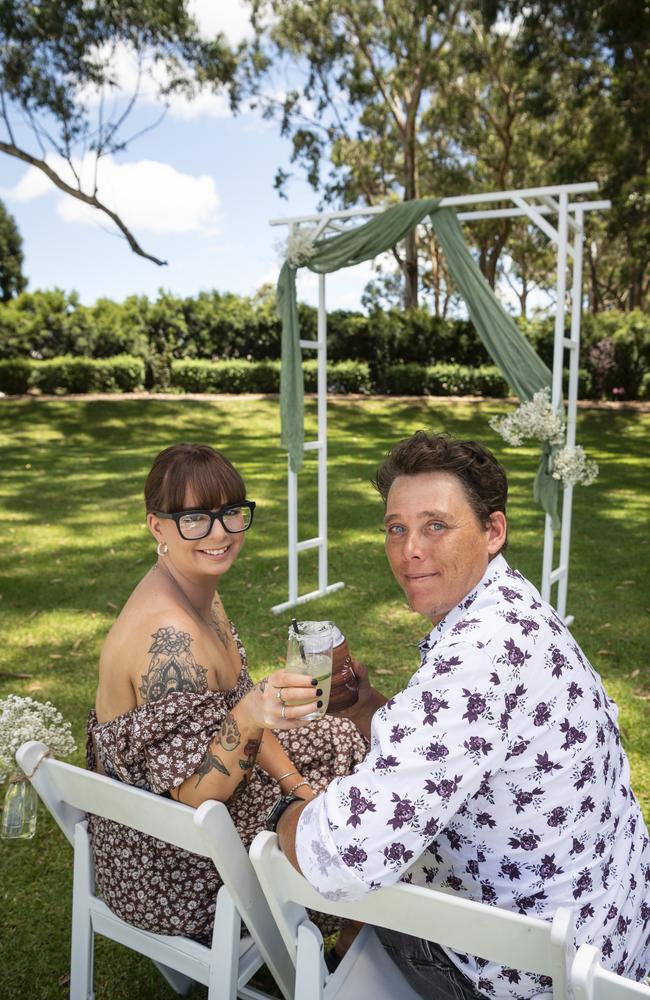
(315, 660)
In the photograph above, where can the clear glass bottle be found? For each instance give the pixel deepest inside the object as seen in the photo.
(19, 811)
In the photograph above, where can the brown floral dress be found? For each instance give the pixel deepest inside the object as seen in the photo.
(157, 746)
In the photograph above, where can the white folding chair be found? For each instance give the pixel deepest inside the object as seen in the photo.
(229, 963)
(590, 981)
(520, 942)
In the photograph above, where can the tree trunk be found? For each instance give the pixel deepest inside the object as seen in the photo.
(410, 270)
(523, 298)
(410, 193)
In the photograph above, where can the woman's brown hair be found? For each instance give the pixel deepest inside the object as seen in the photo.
(213, 480)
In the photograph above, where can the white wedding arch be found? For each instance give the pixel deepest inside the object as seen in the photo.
(558, 213)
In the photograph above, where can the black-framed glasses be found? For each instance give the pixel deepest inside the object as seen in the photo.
(197, 522)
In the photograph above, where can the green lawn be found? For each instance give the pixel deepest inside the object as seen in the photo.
(74, 545)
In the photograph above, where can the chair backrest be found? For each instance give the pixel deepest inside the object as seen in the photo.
(71, 792)
(510, 939)
(590, 981)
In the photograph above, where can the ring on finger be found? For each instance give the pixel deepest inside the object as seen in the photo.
(279, 695)
(284, 710)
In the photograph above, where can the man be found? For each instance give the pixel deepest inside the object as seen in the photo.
(498, 771)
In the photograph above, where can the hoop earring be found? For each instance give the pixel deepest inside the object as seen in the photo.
(162, 548)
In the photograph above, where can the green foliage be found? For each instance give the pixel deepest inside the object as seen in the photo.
(615, 346)
(402, 101)
(15, 375)
(12, 280)
(200, 375)
(617, 352)
(263, 376)
(67, 374)
(413, 379)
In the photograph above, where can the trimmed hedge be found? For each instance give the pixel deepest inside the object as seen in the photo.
(461, 380)
(445, 380)
(126, 374)
(15, 376)
(199, 375)
(121, 373)
(264, 376)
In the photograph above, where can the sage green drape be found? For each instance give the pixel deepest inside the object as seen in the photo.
(524, 370)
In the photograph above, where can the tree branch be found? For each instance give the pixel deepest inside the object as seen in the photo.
(92, 200)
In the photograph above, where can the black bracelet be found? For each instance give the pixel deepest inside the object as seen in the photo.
(282, 803)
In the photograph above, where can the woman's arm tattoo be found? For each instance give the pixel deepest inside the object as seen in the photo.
(172, 666)
(210, 763)
(251, 750)
(229, 735)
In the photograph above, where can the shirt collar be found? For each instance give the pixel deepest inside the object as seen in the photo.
(496, 569)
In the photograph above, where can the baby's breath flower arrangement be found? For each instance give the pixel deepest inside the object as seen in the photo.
(572, 467)
(537, 420)
(23, 719)
(300, 246)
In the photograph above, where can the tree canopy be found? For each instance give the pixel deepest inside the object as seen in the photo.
(52, 54)
(12, 280)
(393, 101)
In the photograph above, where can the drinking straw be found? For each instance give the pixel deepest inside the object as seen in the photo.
(294, 626)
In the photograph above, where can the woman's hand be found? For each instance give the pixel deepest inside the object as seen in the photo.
(282, 700)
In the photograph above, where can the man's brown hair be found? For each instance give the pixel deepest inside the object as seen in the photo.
(482, 478)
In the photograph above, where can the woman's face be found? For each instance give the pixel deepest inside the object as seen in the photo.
(212, 555)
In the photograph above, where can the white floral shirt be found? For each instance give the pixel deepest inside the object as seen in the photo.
(499, 773)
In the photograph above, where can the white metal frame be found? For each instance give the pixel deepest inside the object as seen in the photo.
(565, 229)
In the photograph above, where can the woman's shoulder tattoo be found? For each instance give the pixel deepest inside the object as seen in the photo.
(172, 666)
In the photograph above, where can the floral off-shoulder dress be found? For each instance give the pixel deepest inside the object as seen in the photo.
(157, 746)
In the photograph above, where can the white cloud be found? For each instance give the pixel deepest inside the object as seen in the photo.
(228, 16)
(149, 196)
(31, 185)
(147, 78)
(204, 104)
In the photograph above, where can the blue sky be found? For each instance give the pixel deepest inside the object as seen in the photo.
(197, 191)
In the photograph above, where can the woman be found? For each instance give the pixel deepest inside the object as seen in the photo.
(176, 711)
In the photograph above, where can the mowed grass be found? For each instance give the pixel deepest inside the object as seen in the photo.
(74, 544)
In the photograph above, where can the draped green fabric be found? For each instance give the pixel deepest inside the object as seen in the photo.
(524, 370)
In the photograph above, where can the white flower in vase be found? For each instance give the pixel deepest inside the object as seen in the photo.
(23, 719)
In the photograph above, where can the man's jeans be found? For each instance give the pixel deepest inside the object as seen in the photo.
(425, 965)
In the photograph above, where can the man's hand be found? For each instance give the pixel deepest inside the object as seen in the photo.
(368, 702)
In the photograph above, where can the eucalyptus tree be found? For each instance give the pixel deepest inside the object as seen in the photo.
(363, 74)
(53, 55)
(610, 99)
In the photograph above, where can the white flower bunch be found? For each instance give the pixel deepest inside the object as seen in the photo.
(23, 719)
(300, 246)
(535, 419)
(572, 467)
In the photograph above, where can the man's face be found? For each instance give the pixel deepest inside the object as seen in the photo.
(436, 546)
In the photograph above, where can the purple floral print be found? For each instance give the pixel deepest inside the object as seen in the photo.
(497, 773)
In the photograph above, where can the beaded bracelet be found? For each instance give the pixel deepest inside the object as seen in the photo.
(299, 785)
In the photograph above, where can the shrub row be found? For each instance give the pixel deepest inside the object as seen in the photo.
(67, 374)
(615, 346)
(264, 376)
(126, 374)
(445, 380)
